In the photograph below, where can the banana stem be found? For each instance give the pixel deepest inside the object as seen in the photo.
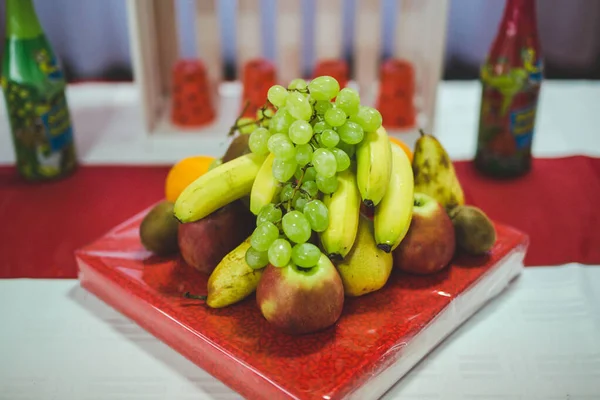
(189, 295)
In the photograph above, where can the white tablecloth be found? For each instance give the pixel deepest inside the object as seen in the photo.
(538, 340)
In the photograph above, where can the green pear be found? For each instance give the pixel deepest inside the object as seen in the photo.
(434, 173)
(232, 280)
(366, 268)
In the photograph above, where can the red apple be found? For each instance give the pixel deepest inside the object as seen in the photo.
(205, 242)
(299, 301)
(429, 244)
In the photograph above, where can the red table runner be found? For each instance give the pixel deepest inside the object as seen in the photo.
(557, 204)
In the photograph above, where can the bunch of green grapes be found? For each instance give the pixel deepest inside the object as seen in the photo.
(312, 137)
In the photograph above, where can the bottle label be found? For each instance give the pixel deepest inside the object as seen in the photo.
(42, 131)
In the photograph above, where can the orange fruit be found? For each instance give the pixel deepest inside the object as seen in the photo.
(185, 172)
(403, 146)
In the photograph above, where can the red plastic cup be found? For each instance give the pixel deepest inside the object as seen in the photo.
(259, 76)
(191, 99)
(335, 68)
(396, 93)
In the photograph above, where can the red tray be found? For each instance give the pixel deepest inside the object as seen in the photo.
(376, 341)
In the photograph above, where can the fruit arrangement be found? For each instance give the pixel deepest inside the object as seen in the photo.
(313, 202)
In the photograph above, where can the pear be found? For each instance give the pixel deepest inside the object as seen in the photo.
(434, 173)
(232, 280)
(366, 268)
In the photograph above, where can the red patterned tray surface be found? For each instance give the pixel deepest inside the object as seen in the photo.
(241, 349)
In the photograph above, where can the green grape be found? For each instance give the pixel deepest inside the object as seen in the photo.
(348, 101)
(283, 170)
(281, 121)
(317, 214)
(310, 187)
(287, 192)
(324, 88)
(304, 154)
(296, 227)
(368, 118)
(351, 133)
(310, 174)
(300, 132)
(342, 159)
(258, 141)
(263, 236)
(297, 84)
(321, 107)
(321, 126)
(327, 185)
(349, 149)
(330, 138)
(277, 95)
(335, 116)
(246, 125)
(269, 213)
(280, 145)
(306, 255)
(280, 253)
(299, 201)
(256, 259)
(266, 113)
(298, 106)
(324, 162)
(311, 100)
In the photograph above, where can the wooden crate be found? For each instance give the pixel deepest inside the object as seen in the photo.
(420, 37)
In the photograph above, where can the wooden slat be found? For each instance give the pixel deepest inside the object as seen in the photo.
(249, 43)
(367, 47)
(145, 57)
(167, 40)
(208, 39)
(289, 32)
(328, 29)
(421, 39)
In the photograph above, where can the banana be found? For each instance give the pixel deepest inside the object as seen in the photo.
(394, 214)
(265, 187)
(217, 188)
(344, 211)
(374, 166)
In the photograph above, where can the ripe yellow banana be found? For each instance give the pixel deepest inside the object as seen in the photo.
(217, 188)
(394, 213)
(265, 186)
(373, 166)
(344, 211)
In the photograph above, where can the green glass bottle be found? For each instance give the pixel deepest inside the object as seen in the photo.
(34, 91)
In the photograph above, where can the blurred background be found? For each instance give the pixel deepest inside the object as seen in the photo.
(91, 37)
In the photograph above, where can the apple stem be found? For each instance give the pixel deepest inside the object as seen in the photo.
(189, 295)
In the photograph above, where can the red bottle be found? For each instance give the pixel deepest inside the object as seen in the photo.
(511, 78)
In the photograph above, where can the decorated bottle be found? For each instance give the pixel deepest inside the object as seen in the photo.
(511, 79)
(33, 84)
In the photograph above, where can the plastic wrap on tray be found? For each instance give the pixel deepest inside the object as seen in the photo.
(377, 340)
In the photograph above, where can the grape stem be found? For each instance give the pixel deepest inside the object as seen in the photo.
(237, 125)
(234, 127)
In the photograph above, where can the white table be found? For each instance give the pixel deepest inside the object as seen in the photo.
(539, 340)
